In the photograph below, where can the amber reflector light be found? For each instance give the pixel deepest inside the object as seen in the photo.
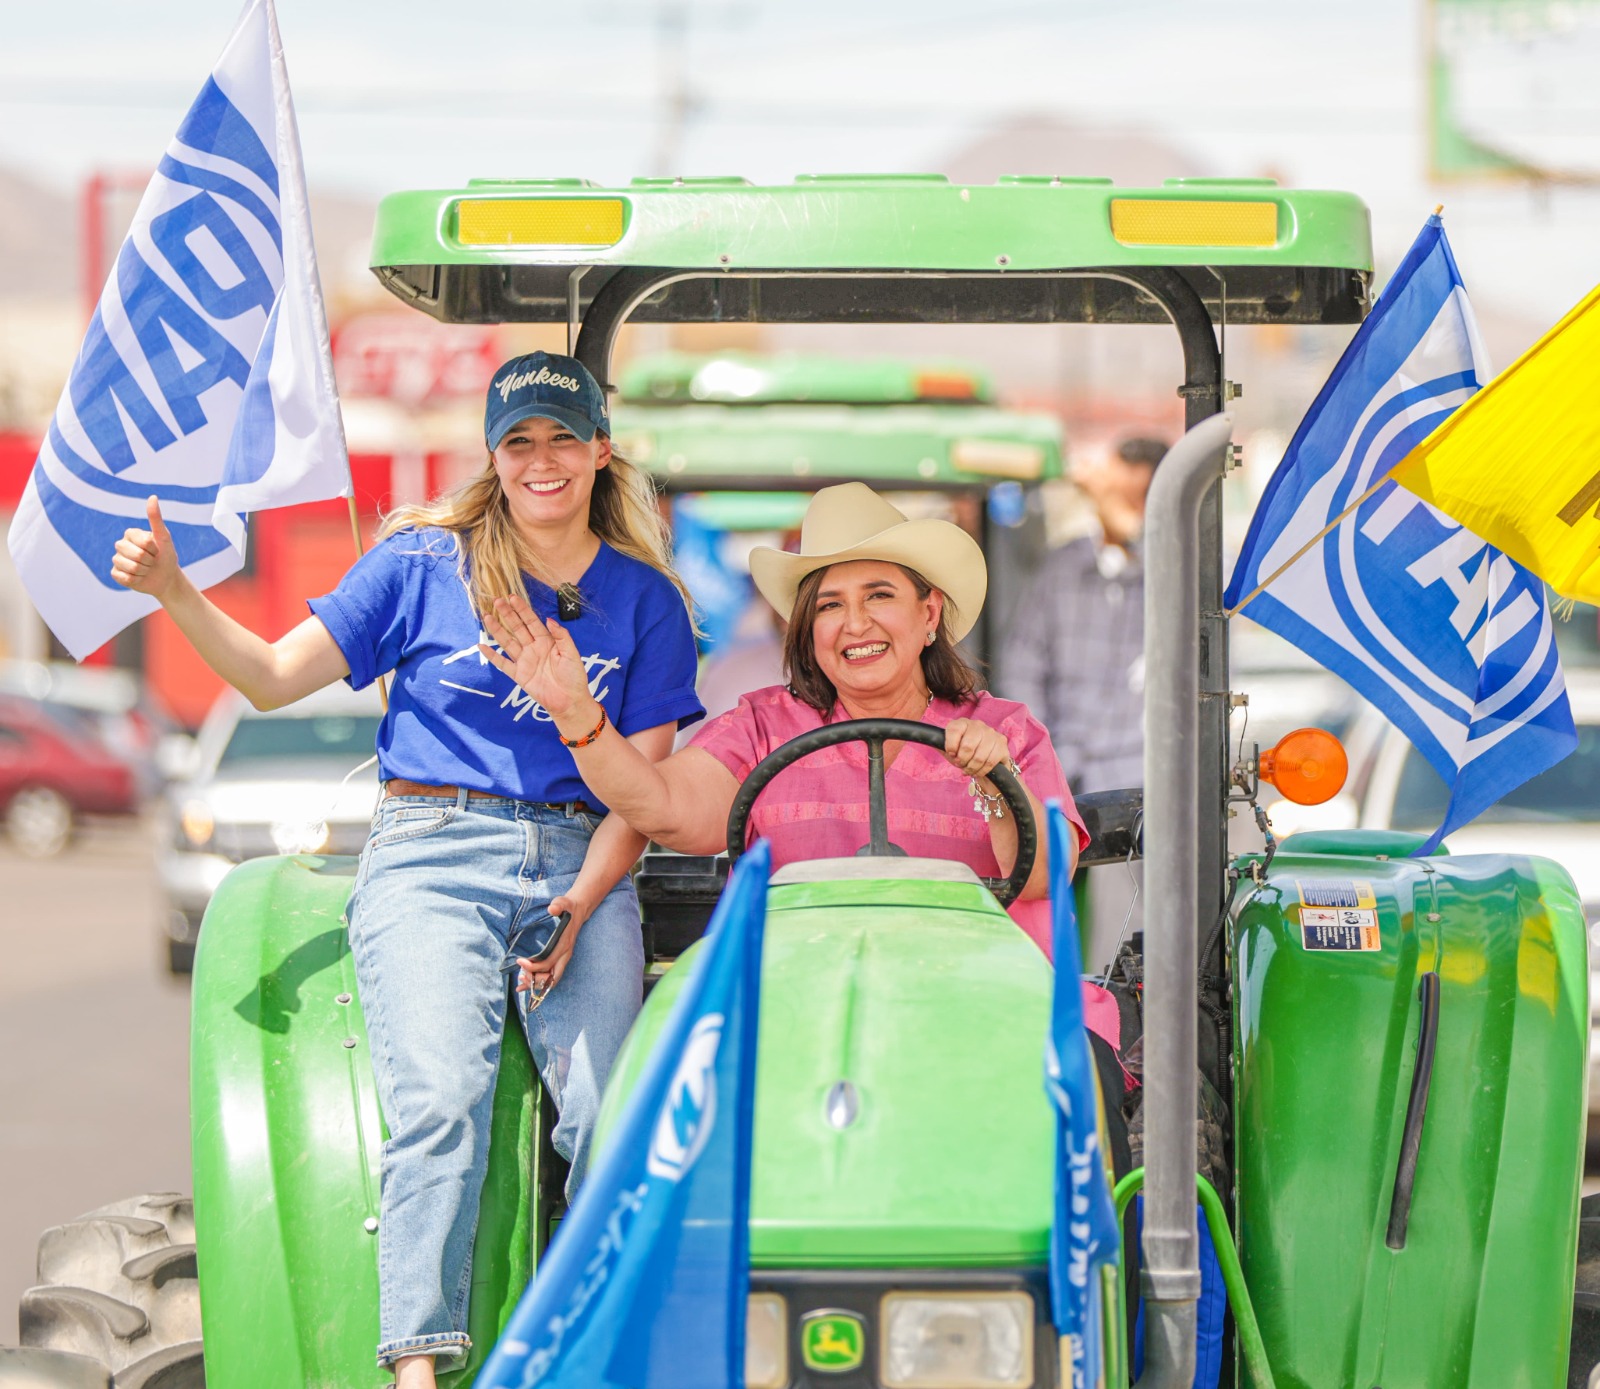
(1308, 766)
(1168, 222)
(945, 385)
(540, 221)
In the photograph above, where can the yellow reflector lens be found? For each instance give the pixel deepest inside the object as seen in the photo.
(539, 221)
(1159, 222)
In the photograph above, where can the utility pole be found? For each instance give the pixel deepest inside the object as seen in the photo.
(677, 101)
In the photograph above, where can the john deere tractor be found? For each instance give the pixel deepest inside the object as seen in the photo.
(1400, 1096)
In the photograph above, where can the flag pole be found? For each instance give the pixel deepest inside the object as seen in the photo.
(1257, 591)
(1260, 588)
(319, 311)
(361, 549)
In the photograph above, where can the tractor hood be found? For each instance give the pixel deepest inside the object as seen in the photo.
(900, 1111)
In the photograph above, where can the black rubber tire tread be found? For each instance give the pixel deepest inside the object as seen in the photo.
(1584, 1360)
(90, 1252)
(160, 1266)
(120, 1286)
(82, 1321)
(171, 1208)
(31, 1368)
(177, 1367)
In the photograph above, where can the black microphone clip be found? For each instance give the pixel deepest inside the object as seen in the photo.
(569, 604)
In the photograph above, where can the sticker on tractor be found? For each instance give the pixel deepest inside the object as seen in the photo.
(832, 1342)
(1340, 928)
(1335, 892)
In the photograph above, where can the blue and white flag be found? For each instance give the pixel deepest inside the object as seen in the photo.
(646, 1283)
(1447, 636)
(205, 378)
(721, 592)
(1083, 1228)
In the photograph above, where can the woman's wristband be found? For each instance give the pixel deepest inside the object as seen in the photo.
(585, 739)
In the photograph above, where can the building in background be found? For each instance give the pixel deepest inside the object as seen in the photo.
(412, 388)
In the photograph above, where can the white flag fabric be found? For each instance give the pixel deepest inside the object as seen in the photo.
(1452, 640)
(205, 378)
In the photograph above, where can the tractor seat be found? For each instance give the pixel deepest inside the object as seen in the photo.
(677, 893)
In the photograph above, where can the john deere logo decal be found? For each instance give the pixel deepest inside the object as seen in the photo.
(832, 1341)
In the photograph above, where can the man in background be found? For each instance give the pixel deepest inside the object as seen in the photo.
(1075, 656)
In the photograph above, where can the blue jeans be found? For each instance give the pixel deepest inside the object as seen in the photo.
(443, 888)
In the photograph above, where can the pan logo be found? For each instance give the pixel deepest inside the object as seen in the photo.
(1427, 605)
(690, 1111)
(1415, 558)
(168, 351)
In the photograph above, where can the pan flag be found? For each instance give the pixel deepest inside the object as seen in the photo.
(205, 378)
(1083, 1230)
(1450, 639)
(646, 1283)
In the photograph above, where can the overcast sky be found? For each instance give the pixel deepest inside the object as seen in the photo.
(418, 93)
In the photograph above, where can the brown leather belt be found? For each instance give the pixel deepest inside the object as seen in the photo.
(399, 786)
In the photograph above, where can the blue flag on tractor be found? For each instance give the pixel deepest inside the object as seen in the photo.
(1452, 640)
(646, 1283)
(1083, 1230)
(205, 378)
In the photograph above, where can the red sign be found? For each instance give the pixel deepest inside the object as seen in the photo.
(410, 359)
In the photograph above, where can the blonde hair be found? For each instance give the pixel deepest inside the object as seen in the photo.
(492, 558)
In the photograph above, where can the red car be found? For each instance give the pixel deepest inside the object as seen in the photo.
(51, 773)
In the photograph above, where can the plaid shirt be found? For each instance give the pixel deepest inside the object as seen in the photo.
(1075, 656)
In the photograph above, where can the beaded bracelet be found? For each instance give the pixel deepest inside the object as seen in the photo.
(588, 737)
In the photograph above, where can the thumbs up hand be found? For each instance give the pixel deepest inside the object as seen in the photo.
(147, 560)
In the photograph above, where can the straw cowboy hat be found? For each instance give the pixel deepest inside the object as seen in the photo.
(850, 522)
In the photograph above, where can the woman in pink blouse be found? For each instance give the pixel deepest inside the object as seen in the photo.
(876, 604)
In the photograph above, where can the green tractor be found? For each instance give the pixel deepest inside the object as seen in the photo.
(1405, 1126)
(737, 439)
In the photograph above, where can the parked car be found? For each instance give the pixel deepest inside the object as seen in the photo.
(53, 771)
(284, 782)
(1285, 689)
(1555, 815)
(125, 715)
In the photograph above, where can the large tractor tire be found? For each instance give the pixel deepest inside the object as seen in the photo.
(1583, 1369)
(117, 1298)
(51, 1369)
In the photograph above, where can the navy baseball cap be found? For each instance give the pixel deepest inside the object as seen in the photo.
(550, 386)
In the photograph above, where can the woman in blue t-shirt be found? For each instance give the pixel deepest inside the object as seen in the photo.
(486, 833)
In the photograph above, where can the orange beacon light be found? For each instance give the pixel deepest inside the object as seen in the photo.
(1307, 766)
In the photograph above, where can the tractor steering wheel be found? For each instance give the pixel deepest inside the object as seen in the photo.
(875, 733)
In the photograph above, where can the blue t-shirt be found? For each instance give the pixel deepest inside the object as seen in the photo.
(454, 720)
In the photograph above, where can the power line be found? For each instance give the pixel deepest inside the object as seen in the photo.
(479, 104)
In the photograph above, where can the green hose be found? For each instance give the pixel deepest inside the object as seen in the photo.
(1248, 1332)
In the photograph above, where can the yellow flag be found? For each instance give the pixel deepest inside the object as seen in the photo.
(1519, 463)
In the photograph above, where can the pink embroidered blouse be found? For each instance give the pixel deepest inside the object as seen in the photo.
(818, 807)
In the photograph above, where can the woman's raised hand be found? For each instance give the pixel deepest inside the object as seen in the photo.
(974, 748)
(147, 561)
(539, 655)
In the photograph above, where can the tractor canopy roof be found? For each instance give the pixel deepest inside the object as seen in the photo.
(792, 378)
(796, 422)
(872, 248)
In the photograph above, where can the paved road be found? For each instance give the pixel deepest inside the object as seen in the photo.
(94, 1044)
